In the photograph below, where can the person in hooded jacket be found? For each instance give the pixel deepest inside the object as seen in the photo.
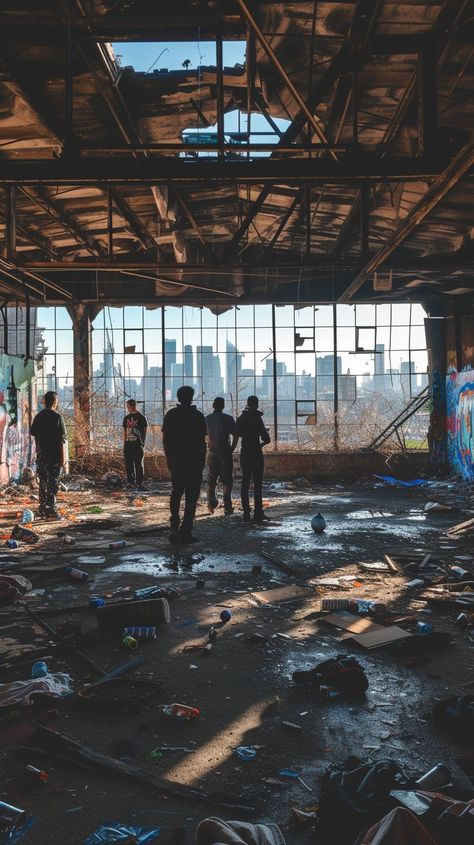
(184, 443)
(254, 435)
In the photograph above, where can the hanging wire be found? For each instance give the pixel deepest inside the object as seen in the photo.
(157, 59)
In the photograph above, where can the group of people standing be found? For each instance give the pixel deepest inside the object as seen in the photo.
(191, 442)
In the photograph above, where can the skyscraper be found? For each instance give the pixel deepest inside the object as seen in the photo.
(188, 364)
(379, 359)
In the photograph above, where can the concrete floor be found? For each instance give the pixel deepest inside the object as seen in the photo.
(243, 688)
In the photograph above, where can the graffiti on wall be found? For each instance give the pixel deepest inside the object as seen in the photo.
(460, 413)
(17, 394)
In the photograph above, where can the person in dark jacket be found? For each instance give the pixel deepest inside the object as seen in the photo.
(134, 435)
(184, 444)
(50, 435)
(254, 435)
(219, 462)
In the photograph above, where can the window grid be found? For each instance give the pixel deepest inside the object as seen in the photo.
(232, 355)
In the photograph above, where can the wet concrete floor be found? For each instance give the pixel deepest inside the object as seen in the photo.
(243, 687)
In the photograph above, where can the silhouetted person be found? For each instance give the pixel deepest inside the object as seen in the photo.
(254, 435)
(134, 435)
(219, 463)
(184, 443)
(50, 436)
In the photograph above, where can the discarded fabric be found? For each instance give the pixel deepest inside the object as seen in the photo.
(117, 832)
(397, 482)
(22, 692)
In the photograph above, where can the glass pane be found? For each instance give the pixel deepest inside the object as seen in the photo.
(323, 315)
(113, 318)
(324, 340)
(383, 314)
(45, 318)
(418, 314)
(65, 366)
(49, 337)
(245, 340)
(152, 319)
(285, 340)
(400, 337)
(64, 341)
(417, 337)
(400, 314)
(63, 320)
(133, 338)
(152, 340)
(133, 316)
(284, 315)
(173, 317)
(245, 315)
(365, 315)
(263, 315)
(345, 315)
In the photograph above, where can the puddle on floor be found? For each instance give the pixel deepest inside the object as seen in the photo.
(162, 565)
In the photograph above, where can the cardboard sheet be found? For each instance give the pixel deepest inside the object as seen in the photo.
(380, 637)
(350, 622)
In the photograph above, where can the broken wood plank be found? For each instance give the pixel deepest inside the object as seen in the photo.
(290, 593)
(278, 563)
(54, 744)
(425, 561)
(460, 527)
(394, 567)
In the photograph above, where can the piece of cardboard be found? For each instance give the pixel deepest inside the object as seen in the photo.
(281, 594)
(350, 622)
(381, 636)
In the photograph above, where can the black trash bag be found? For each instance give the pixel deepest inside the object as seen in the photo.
(355, 795)
(342, 672)
(456, 713)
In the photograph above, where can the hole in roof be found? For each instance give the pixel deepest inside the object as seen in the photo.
(184, 57)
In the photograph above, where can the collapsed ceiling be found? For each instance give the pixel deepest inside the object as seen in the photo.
(365, 194)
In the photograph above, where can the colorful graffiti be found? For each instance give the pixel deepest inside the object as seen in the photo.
(460, 413)
(17, 397)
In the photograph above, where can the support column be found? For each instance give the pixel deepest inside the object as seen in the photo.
(437, 347)
(82, 316)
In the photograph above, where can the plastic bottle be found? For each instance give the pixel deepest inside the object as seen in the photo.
(424, 628)
(367, 608)
(180, 711)
(460, 574)
(39, 669)
(140, 632)
(34, 775)
(439, 775)
(118, 544)
(12, 544)
(96, 601)
(130, 642)
(76, 574)
(27, 516)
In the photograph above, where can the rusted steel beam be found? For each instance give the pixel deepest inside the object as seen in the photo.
(435, 193)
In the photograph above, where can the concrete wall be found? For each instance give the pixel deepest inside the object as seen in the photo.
(322, 466)
(17, 397)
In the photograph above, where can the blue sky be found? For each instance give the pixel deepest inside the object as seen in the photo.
(142, 56)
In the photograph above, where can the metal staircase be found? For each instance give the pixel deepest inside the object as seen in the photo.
(393, 428)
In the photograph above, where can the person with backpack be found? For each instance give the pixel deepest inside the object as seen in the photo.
(50, 436)
(134, 434)
(254, 435)
(184, 443)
